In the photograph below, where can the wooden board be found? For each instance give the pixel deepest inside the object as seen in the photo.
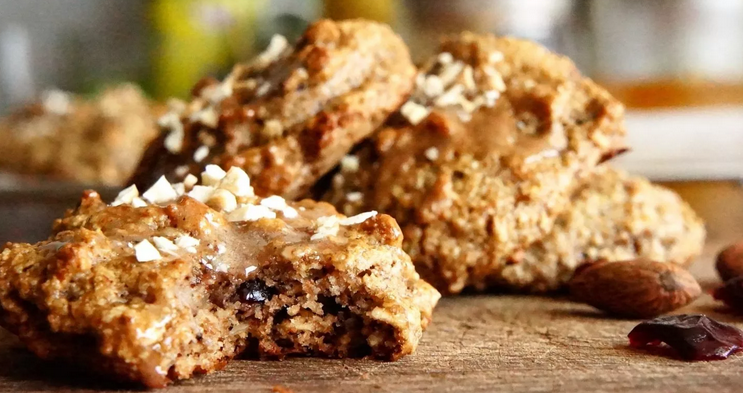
(485, 343)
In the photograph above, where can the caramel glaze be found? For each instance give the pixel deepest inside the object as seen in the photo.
(496, 132)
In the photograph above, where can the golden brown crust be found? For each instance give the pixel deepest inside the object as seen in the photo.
(492, 159)
(93, 142)
(294, 279)
(291, 114)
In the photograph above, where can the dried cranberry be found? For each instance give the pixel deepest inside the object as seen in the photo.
(731, 293)
(694, 337)
(253, 291)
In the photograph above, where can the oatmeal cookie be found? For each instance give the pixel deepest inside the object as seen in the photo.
(65, 137)
(291, 114)
(613, 217)
(181, 279)
(483, 157)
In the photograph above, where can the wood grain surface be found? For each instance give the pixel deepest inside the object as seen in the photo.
(486, 343)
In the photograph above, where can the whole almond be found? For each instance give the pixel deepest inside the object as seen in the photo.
(730, 262)
(637, 288)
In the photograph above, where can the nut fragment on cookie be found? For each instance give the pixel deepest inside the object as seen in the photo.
(201, 153)
(212, 175)
(165, 245)
(126, 196)
(357, 219)
(160, 192)
(350, 163)
(251, 212)
(414, 112)
(146, 252)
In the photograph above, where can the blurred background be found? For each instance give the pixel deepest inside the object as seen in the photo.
(660, 55)
(677, 64)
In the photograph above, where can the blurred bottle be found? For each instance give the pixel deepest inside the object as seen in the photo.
(423, 22)
(200, 37)
(379, 10)
(670, 53)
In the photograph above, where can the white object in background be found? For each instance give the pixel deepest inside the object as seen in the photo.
(685, 144)
(16, 83)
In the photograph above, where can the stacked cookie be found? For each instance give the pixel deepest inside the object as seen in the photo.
(490, 166)
(481, 171)
(179, 279)
(493, 172)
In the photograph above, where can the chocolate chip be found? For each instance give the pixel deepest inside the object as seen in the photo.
(253, 291)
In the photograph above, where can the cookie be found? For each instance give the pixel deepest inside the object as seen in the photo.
(484, 156)
(291, 114)
(67, 138)
(613, 217)
(181, 279)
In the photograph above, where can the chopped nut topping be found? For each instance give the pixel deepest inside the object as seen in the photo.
(217, 93)
(452, 83)
(272, 129)
(432, 153)
(174, 141)
(201, 193)
(181, 170)
(190, 181)
(495, 79)
(451, 96)
(176, 105)
(263, 89)
(277, 45)
(432, 86)
(237, 182)
(278, 203)
(179, 188)
(126, 196)
(274, 202)
(450, 72)
(207, 116)
(160, 192)
(357, 219)
(250, 212)
(354, 196)
(468, 77)
(222, 200)
(212, 175)
(144, 251)
(349, 163)
(326, 226)
(415, 113)
(201, 153)
(138, 202)
(445, 58)
(187, 243)
(491, 96)
(495, 57)
(165, 245)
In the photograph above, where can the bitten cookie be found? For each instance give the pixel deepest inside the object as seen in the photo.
(64, 137)
(291, 114)
(178, 281)
(613, 217)
(484, 156)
